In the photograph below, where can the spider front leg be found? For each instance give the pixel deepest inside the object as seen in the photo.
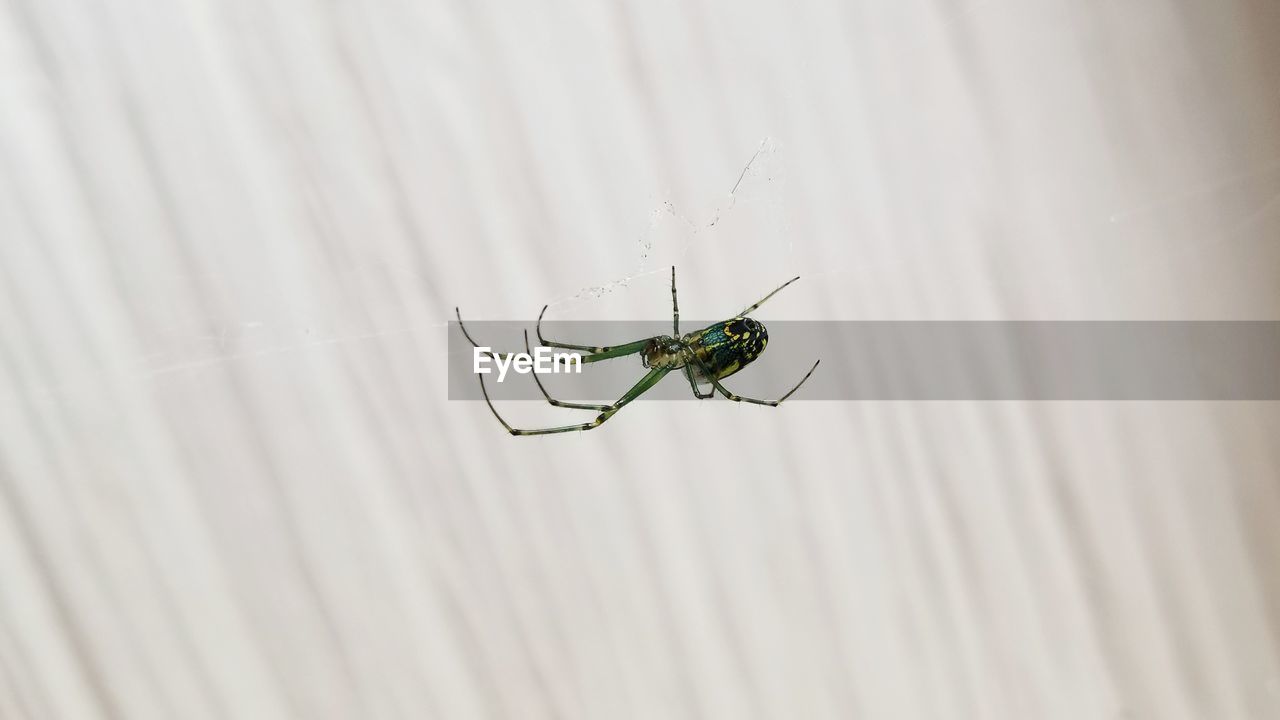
(739, 398)
(553, 401)
(593, 349)
(596, 349)
(646, 382)
(675, 306)
(596, 353)
(474, 344)
(777, 290)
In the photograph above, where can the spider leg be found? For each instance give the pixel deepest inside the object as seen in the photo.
(675, 307)
(596, 353)
(746, 312)
(646, 382)
(553, 401)
(693, 385)
(627, 349)
(474, 344)
(609, 353)
(739, 398)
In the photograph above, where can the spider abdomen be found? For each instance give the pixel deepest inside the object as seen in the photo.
(726, 347)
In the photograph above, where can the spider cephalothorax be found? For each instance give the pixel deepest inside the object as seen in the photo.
(707, 355)
(666, 352)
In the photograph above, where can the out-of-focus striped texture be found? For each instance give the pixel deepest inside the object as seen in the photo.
(231, 234)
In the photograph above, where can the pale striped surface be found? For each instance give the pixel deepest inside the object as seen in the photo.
(231, 485)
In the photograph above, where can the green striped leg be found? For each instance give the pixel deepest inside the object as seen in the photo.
(604, 351)
(553, 401)
(596, 353)
(746, 312)
(739, 398)
(646, 382)
(474, 344)
(693, 384)
(675, 307)
(616, 351)
(619, 351)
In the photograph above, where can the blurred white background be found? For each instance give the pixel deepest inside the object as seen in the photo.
(232, 233)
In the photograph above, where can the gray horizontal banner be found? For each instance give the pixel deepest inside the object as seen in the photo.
(1227, 360)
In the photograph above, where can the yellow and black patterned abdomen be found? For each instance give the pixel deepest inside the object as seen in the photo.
(727, 347)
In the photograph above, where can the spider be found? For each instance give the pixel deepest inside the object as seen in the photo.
(707, 355)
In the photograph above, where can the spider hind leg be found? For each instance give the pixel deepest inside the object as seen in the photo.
(755, 401)
(646, 382)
